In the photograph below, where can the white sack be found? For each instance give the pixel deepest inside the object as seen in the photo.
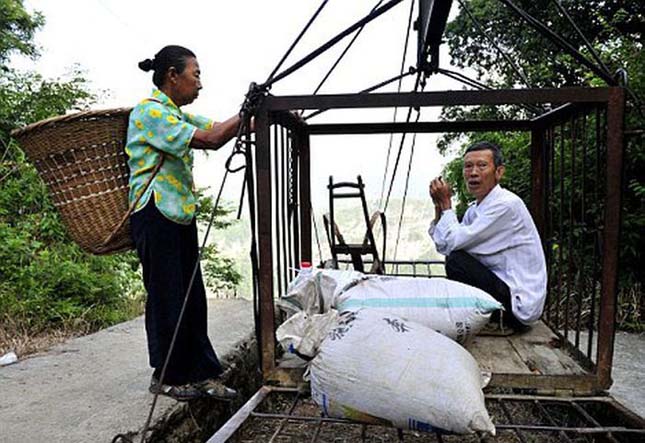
(303, 333)
(313, 292)
(451, 308)
(383, 369)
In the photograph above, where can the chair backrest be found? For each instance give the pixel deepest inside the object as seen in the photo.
(337, 243)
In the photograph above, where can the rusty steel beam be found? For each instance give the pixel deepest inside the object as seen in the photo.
(304, 183)
(438, 98)
(265, 240)
(574, 384)
(295, 195)
(422, 127)
(538, 182)
(556, 116)
(611, 235)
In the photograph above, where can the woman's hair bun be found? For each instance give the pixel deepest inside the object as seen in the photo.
(146, 65)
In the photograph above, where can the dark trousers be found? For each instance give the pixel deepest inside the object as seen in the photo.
(464, 268)
(168, 252)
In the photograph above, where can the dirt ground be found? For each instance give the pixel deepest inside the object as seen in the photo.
(26, 344)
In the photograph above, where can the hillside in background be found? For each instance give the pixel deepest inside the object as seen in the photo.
(414, 242)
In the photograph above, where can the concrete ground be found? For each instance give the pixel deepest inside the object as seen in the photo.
(629, 371)
(91, 388)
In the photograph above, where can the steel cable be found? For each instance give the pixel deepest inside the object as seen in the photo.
(396, 109)
(295, 42)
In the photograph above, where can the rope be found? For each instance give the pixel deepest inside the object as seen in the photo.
(396, 109)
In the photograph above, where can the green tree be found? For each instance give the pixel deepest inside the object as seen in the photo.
(17, 28)
(47, 281)
(615, 30)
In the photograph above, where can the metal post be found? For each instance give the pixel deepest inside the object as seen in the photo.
(538, 183)
(611, 234)
(294, 195)
(264, 201)
(305, 196)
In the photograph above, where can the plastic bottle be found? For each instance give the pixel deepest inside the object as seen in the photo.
(304, 273)
(305, 268)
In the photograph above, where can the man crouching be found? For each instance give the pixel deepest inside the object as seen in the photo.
(496, 247)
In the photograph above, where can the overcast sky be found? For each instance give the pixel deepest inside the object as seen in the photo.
(237, 42)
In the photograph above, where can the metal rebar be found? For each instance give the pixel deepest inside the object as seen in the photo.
(314, 438)
(301, 418)
(284, 421)
(593, 421)
(560, 224)
(276, 184)
(508, 416)
(577, 430)
(284, 239)
(550, 418)
(571, 220)
(583, 228)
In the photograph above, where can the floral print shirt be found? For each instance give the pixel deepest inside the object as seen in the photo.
(157, 128)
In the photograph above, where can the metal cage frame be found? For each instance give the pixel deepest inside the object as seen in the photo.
(281, 171)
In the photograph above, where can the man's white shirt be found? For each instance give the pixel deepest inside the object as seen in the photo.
(499, 232)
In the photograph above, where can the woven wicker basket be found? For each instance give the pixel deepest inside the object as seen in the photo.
(82, 160)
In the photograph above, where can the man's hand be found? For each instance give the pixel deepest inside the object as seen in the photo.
(441, 194)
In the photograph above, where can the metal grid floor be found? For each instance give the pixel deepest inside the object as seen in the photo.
(284, 415)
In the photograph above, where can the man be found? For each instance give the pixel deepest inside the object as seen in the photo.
(496, 247)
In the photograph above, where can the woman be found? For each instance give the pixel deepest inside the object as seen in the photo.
(164, 227)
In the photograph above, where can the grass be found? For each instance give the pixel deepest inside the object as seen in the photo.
(17, 337)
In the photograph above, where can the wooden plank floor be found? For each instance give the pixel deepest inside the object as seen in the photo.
(531, 352)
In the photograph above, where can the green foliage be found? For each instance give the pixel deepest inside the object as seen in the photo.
(220, 273)
(616, 31)
(46, 281)
(17, 28)
(26, 97)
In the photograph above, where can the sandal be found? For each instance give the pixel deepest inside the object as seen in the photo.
(180, 393)
(496, 330)
(213, 388)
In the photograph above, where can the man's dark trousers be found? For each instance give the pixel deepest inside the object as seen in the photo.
(464, 268)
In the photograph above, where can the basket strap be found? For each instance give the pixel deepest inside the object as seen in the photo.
(134, 203)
